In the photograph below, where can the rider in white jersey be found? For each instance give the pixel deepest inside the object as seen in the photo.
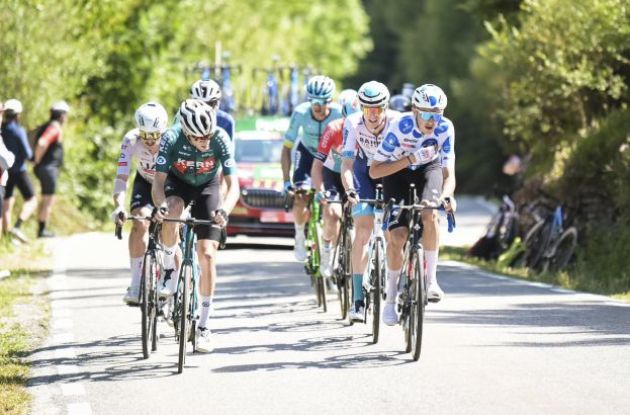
(419, 148)
(141, 143)
(363, 133)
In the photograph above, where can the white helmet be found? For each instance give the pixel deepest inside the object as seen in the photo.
(151, 117)
(429, 96)
(373, 94)
(61, 106)
(320, 87)
(205, 90)
(13, 105)
(197, 118)
(348, 101)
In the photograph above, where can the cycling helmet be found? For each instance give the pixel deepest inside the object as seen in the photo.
(320, 87)
(13, 105)
(348, 101)
(61, 106)
(151, 117)
(401, 103)
(198, 119)
(429, 96)
(205, 90)
(373, 94)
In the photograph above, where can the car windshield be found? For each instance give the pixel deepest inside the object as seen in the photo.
(258, 151)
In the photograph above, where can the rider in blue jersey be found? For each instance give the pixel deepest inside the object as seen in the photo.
(312, 118)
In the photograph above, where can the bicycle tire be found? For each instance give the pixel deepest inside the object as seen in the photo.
(145, 305)
(536, 243)
(376, 290)
(418, 302)
(347, 273)
(563, 250)
(183, 316)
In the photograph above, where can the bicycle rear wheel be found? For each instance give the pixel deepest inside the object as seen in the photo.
(418, 301)
(183, 288)
(536, 243)
(375, 294)
(562, 251)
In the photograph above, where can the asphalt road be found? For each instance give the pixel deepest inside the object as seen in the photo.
(492, 346)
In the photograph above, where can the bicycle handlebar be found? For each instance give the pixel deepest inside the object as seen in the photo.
(188, 221)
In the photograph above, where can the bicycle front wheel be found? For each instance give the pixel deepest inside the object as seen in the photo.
(562, 251)
(183, 288)
(418, 301)
(375, 294)
(146, 303)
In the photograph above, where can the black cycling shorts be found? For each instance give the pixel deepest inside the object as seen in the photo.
(23, 182)
(429, 178)
(141, 194)
(47, 175)
(332, 183)
(207, 199)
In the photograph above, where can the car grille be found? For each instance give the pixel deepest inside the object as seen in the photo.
(263, 198)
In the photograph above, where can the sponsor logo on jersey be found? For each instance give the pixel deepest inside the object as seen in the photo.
(229, 163)
(161, 160)
(406, 124)
(390, 143)
(416, 134)
(200, 167)
(441, 128)
(430, 142)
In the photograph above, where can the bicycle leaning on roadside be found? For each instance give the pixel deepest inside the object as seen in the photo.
(152, 271)
(413, 277)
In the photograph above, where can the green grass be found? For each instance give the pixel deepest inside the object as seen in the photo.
(576, 280)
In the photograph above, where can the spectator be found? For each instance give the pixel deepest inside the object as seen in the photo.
(6, 161)
(48, 161)
(16, 142)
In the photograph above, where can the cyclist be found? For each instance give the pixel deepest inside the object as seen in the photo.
(400, 103)
(326, 176)
(419, 148)
(17, 142)
(362, 134)
(209, 92)
(143, 144)
(311, 117)
(187, 170)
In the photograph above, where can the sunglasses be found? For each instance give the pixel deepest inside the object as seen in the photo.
(378, 111)
(320, 102)
(202, 138)
(153, 136)
(427, 116)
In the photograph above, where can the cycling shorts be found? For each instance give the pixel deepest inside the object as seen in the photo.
(23, 182)
(207, 199)
(365, 187)
(428, 178)
(332, 183)
(303, 164)
(47, 175)
(141, 194)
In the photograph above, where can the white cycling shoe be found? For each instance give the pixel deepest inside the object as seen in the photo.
(357, 315)
(169, 284)
(132, 297)
(434, 292)
(202, 337)
(326, 262)
(299, 250)
(390, 317)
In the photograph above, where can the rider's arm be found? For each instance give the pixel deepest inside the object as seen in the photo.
(323, 149)
(124, 167)
(384, 162)
(50, 135)
(163, 164)
(289, 141)
(157, 189)
(316, 175)
(232, 194)
(348, 154)
(225, 151)
(447, 156)
(347, 173)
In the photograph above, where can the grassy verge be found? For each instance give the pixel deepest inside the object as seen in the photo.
(562, 279)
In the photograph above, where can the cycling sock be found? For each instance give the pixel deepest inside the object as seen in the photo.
(392, 285)
(42, 226)
(432, 258)
(327, 245)
(18, 223)
(136, 271)
(299, 231)
(357, 287)
(169, 263)
(206, 303)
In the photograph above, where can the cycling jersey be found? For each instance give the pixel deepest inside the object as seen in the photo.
(16, 142)
(53, 137)
(224, 120)
(403, 139)
(190, 165)
(358, 142)
(312, 129)
(131, 148)
(329, 148)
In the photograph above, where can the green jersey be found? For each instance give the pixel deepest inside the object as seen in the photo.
(190, 165)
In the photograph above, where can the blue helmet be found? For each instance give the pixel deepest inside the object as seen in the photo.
(349, 102)
(320, 87)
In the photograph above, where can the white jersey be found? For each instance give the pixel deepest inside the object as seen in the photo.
(358, 141)
(403, 139)
(131, 148)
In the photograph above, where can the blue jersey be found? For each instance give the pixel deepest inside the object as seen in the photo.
(312, 130)
(403, 138)
(16, 141)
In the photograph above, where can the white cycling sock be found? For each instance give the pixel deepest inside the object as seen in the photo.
(432, 259)
(392, 285)
(136, 271)
(206, 303)
(169, 263)
(299, 231)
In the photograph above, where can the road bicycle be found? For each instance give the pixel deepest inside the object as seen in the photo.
(342, 273)
(413, 277)
(152, 271)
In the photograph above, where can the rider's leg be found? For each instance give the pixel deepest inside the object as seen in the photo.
(397, 240)
(430, 239)
(169, 241)
(207, 253)
(301, 179)
(363, 224)
(138, 239)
